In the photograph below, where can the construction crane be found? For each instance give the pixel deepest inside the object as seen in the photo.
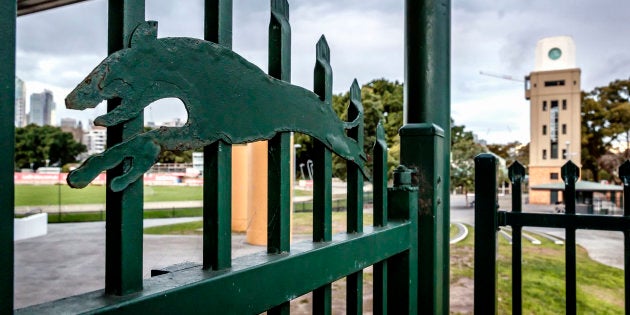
(502, 76)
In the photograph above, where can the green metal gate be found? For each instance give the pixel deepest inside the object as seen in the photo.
(488, 219)
(136, 72)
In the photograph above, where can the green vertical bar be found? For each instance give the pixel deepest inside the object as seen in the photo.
(322, 176)
(217, 159)
(516, 173)
(427, 100)
(379, 182)
(354, 282)
(279, 159)
(421, 149)
(485, 234)
(218, 22)
(123, 249)
(624, 175)
(570, 174)
(402, 284)
(279, 201)
(8, 13)
(217, 206)
(279, 156)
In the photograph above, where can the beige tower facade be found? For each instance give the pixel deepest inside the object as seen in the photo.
(553, 89)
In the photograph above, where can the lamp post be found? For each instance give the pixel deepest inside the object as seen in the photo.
(293, 172)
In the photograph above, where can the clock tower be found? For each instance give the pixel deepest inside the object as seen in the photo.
(553, 89)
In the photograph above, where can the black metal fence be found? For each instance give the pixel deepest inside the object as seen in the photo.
(488, 220)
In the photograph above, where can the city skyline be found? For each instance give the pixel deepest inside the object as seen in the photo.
(366, 42)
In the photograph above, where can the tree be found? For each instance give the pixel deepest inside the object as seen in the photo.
(464, 148)
(37, 146)
(382, 102)
(605, 121)
(174, 156)
(512, 151)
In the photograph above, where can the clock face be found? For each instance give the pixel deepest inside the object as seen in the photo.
(555, 53)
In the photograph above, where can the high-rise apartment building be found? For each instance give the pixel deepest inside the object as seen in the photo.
(95, 139)
(20, 103)
(42, 108)
(553, 89)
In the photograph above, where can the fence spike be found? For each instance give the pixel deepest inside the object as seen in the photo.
(355, 96)
(355, 111)
(570, 172)
(323, 51)
(624, 172)
(380, 137)
(516, 172)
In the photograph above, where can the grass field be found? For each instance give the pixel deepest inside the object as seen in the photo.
(42, 195)
(302, 224)
(600, 288)
(39, 195)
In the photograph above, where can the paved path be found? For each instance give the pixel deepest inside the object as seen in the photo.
(70, 259)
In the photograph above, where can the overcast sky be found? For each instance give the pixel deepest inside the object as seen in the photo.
(58, 48)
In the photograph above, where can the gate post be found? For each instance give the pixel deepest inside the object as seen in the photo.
(8, 13)
(422, 149)
(485, 234)
(427, 100)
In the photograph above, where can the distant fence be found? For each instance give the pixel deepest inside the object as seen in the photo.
(152, 179)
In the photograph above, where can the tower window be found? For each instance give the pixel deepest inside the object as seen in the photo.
(544, 130)
(544, 154)
(564, 154)
(564, 129)
(554, 83)
(554, 151)
(553, 176)
(544, 106)
(564, 104)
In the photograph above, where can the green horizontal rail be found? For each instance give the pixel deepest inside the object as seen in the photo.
(251, 285)
(576, 221)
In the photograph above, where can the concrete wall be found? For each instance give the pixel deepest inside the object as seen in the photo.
(31, 226)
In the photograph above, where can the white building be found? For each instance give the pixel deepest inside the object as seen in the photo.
(20, 103)
(95, 140)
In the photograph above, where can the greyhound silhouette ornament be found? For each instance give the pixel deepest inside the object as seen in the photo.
(227, 98)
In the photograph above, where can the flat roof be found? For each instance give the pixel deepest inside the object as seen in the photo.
(31, 6)
(581, 185)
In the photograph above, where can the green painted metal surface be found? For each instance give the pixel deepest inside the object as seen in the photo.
(354, 223)
(242, 105)
(379, 184)
(427, 100)
(322, 177)
(486, 226)
(279, 157)
(123, 252)
(229, 100)
(402, 269)
(250, 286)
(8, 13)
(217, 190)
(422, 147)
(217, 206)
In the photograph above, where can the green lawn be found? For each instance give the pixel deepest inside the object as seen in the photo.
(600, 288)
(302, 224)
(39, 195)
